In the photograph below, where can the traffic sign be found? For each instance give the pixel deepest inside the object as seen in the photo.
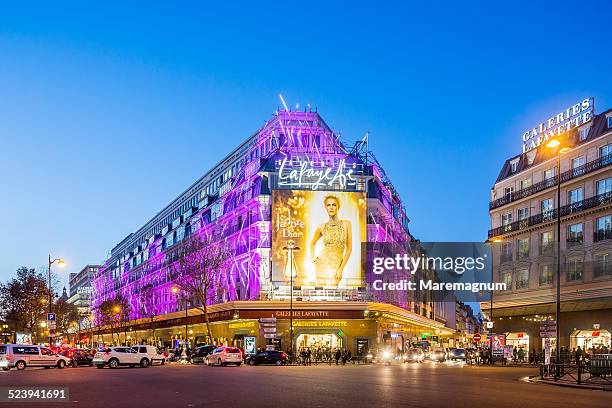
(267, 320)
(269, 335)
(477, 337)
(489, 325)
(51, 316)
(269, 329)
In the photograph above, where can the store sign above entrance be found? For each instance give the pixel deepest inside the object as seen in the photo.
(572, 117)
(318, 174)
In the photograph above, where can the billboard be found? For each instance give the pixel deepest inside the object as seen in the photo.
(327, 229)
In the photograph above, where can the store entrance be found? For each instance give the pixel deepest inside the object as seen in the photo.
(325, 342)
(590, 340)
(520, 341)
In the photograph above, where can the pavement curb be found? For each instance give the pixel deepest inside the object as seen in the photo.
(535, 380)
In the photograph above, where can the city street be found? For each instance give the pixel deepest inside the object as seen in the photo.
(416, 385)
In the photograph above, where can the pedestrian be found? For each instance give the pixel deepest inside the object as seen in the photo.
(514, 354)
(578, 355)
(338, 355)
(308, 356)
(349, 355)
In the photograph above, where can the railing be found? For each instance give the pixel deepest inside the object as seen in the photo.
(595, 201)
(589, 167)
(597, 370)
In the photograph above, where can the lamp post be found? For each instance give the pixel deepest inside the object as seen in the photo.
(554, 143)
(60, 262)
(496, 241)
(175, 290)
(291, 248)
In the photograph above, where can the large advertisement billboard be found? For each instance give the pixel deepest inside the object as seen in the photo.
(326, 228)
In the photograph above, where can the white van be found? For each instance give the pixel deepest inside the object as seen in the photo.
(151, 352)
(21, 356)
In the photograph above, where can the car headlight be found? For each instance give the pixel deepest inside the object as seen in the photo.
(386, 354)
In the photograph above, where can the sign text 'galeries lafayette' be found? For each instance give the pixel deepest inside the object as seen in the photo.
(572, 117)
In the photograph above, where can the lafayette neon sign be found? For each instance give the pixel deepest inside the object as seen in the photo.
(574, 116)
(307, 175)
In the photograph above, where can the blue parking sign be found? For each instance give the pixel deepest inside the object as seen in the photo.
(51, 316)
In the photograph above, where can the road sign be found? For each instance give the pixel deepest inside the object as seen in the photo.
(269, 335)
(269, 329)
(546, 334)
(477, 337)
(267, 320)
(51, 316)
(52, 325)
(489, 325)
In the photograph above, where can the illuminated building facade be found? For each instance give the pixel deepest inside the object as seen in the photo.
(523, 211)
(292, 182)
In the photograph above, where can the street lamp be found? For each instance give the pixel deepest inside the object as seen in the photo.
(176, 290)
(291, 248)
(554, 143)
(60, 262)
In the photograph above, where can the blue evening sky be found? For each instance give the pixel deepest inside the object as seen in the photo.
(108, 112)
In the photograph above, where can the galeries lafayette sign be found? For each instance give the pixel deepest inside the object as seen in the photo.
(572, 117)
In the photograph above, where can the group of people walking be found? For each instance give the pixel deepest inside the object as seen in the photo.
(307, 355)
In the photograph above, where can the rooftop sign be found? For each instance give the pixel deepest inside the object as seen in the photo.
(574, 116)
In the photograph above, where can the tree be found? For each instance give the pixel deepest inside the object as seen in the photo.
(198, 272)
(114, 313)
(149, 305)
(24, 300)
(66, 317)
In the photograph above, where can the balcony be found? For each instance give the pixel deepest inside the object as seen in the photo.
(596, 201)
(586, 168)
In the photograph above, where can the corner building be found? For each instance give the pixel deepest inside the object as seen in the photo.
(523, 211)
(272, 191)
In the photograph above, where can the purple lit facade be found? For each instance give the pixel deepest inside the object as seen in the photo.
(232, 202)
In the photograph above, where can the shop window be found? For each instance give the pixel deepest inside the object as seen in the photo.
(592, 341)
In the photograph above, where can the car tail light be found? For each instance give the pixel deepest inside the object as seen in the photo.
(284, 355)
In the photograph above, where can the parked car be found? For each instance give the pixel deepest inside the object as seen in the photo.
(78, 357)
(200, 353)
(457, 354)
(118, 356)
(21, 356)
(151, 352)
(223, 356)
(415, 355)
(437, 354)
(267, 357)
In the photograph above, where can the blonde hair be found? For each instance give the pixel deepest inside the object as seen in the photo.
(333, 197)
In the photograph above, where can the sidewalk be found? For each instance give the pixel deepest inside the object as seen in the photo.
(564, 383)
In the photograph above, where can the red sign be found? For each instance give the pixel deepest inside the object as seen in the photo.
(477, 337)
(521, 335)
(595, 334)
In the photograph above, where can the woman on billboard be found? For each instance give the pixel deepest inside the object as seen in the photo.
(337, 244)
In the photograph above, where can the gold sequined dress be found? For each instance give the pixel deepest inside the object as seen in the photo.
(333, 233)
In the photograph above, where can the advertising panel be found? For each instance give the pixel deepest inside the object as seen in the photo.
(326, 229)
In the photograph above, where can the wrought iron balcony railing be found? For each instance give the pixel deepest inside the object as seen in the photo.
(595, 201)
(586, 168)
